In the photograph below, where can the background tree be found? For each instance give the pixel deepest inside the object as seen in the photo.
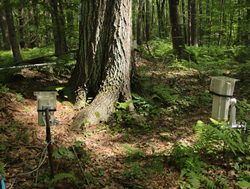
(103, 65)
(12, 32)
(4, 30)
(141, 22)
(177, 37)
(58, 21)
(161, 11)
(193, 30)
(148, 19)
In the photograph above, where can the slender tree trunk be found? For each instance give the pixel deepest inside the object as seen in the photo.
(35, 39)
(21, 26)
(248, 25)
(58, 21)
(134, 21)
(222, 22)
(209, 21)
(153, 13)
(189, 24)
(184, 21)
(147, 29)
(229, 40)
(4, 30)
(103, 64)
(239, 37)
(201, 30)
(12, 33)
(194, 35)
(246, 32)
(70, 26)
(140, 22)
(177, 37)
(161, 5)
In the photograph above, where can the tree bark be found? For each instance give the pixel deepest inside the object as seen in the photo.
(209, 6)
(189, 22)
(177, 37)
(194, 35)
(34, 13)
(103, 65)
(70, 27)
(21, 26)
(58, 21)
(184, 21)
(222, 22)
(248, 26)
(4, 30)
(12, 33)
(140, 22)
(200, 30)
(147, 29)
(161, 5)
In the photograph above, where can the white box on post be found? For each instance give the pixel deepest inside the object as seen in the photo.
(222, 89)
(46, 99)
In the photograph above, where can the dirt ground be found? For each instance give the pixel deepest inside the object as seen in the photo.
(23, 140)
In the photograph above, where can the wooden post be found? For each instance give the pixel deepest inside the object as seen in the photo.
(48, 140)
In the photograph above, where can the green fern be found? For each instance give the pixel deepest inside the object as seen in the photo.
(213, 138)
(61, 177)
(222, 182)
(2, 171)
(133, 153)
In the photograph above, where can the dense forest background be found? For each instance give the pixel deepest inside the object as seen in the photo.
(159, 134)
(30, 24)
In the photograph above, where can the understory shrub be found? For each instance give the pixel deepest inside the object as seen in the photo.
(216, 145)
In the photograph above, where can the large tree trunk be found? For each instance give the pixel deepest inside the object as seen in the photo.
(58, 21)
(177, 37)
(4, 30)
(12, 33)
(103, 65)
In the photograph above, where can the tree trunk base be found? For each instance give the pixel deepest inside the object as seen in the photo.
(99, 110)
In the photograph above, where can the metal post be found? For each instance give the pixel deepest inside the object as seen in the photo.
(232, 121)
(48, 140)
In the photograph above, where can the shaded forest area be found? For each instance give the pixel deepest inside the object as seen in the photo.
(133, 105)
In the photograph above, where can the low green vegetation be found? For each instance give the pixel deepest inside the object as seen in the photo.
(216, 157)
(6, 58)
(217, 147)
(2, 171)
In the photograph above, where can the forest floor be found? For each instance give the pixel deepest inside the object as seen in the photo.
(126, 152)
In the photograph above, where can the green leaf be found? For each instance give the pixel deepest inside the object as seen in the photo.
(59, 88)
(97, 114)
(2, 171)
(2, 147)
(215, 122)
(243, 184)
